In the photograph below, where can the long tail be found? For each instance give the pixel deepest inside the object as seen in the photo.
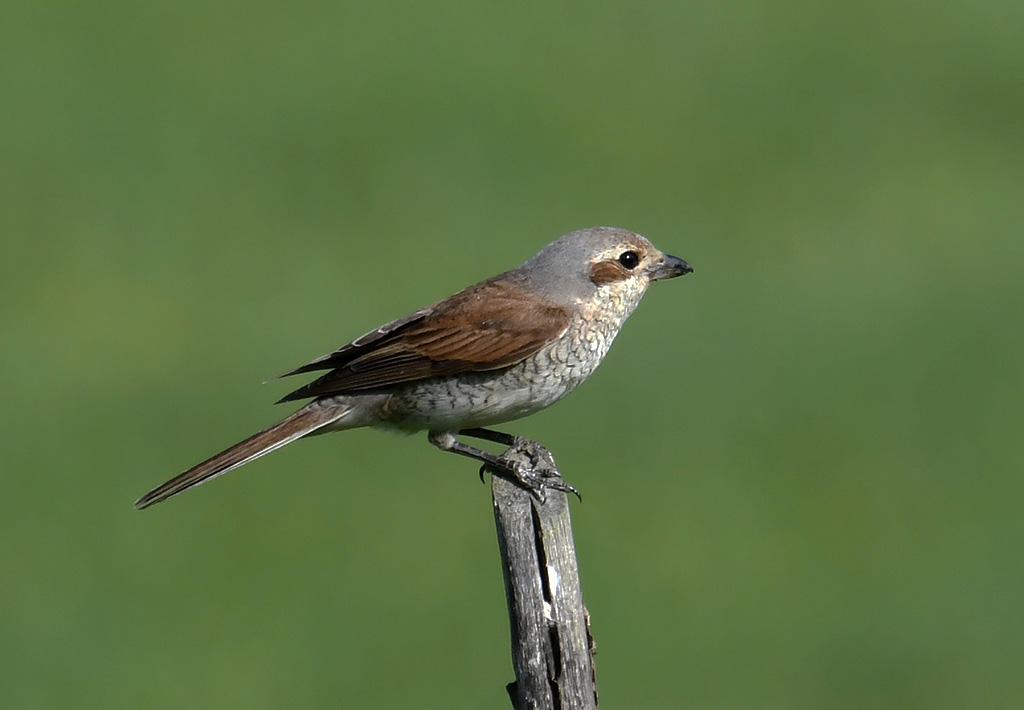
(303, 422)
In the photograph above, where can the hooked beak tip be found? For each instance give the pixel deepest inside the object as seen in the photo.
(671, 267)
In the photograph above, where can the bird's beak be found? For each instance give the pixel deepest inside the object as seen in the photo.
(668, 267)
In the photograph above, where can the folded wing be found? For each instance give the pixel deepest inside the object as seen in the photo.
(489, 326)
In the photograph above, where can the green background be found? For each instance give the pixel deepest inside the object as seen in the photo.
(801, 465)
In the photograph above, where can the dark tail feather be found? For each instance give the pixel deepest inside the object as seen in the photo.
(305, 421)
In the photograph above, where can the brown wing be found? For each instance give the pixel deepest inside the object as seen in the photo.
(491, 325)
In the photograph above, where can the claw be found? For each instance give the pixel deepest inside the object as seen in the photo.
(537, 474)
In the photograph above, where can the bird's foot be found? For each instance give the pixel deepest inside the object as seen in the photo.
(526, 463)
(531, 466)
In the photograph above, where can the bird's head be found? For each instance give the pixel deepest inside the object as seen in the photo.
(600, 262)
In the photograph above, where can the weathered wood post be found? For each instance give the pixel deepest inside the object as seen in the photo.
(552, 650)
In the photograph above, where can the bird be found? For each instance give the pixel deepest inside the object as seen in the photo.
(497, 351)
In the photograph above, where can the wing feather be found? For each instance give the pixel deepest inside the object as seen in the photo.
(489, 326)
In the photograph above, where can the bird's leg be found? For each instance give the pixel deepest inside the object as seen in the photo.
(497, 437)
(542, 461)
(446, 441)
(525, 462)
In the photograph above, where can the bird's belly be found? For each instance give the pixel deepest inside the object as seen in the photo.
(477, 399)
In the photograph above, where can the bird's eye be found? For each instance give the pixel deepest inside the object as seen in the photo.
(629, 259)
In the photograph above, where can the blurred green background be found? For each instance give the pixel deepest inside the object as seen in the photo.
(801, 465)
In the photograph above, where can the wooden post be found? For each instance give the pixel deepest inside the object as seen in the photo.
(552, 650)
